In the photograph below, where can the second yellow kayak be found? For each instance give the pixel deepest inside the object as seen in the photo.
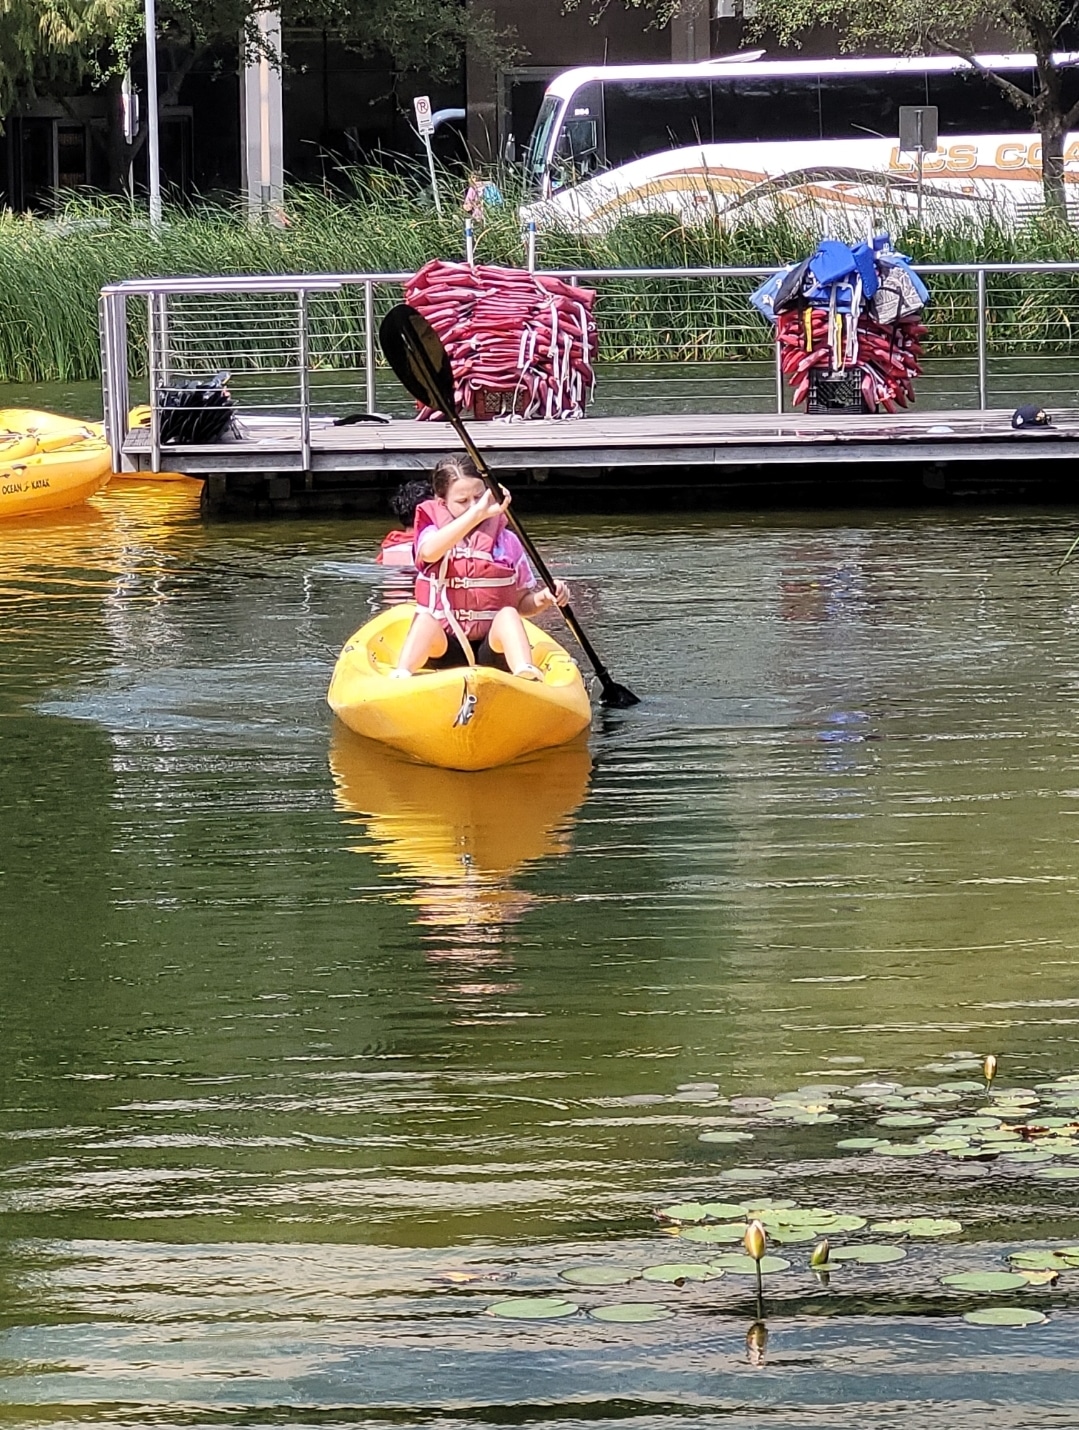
(47, 481)
(460, 719)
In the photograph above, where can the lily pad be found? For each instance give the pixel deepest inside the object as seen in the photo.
(533, 1308)
(1057, 1174)
(714, 1235)
(1005, 1316)
(900, 1149)
(859, 1144)
(747, 1174)
(906, 1119)
(924, 1226)
(1040, 1260)
(632, 1312)
(1032, 1154)
(721, 1135)
(685, 1212)
(598, 1275)
(1040, 1278)
(845, 1221)
(724, 1211)
(676, 1271)
(984, 1281)
(870, 1254)
(745, 1265)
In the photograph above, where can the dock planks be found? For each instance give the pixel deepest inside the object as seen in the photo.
(272, 444)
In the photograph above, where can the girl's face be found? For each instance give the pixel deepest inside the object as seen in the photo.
(462, 492)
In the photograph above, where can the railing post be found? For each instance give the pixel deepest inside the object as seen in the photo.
(779, 377)
(369, 341)
(152, 364)
(305, 387)
(112, 318)
(983, 376)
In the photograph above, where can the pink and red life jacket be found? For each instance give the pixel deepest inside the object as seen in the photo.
(468, 587)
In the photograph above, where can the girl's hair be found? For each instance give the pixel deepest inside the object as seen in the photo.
(407, 498)
(448, 470)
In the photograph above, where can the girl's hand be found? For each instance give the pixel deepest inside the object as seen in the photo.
(488, 505)
(544, 600)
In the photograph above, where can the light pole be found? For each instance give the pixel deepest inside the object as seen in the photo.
(153, 155)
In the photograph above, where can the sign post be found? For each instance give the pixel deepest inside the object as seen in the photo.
(918, 135)
(153, 154)
(425, 127)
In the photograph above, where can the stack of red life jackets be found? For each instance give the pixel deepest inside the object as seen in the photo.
(520, 344)
(887, 354)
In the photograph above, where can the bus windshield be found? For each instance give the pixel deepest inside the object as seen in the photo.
(536, 157)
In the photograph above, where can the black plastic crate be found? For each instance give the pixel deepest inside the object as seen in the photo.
(831, 392)
(195, 410)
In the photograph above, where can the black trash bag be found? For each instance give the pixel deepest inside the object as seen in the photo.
(196, 410)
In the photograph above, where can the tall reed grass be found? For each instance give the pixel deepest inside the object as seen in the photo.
(51, 270)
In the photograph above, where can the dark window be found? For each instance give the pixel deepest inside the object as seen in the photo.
(1069, 86)
(864, 106)
(770, 107)
(579, 152)
(643, 118)
(968, 103)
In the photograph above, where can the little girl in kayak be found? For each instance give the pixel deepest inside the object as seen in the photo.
(475, 583)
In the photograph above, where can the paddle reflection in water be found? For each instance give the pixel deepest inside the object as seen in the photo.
(460, 839)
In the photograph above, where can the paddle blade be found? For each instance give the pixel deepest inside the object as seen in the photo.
(415, 352)
(618, 697)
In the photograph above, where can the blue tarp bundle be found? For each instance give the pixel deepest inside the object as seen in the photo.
(870, 277)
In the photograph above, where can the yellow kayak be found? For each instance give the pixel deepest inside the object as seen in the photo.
(53, 433)
(49, 430)
(462, 719)
(47, 481)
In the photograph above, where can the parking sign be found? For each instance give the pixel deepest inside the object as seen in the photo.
(422, 106)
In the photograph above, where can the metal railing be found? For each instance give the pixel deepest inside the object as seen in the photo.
(670, 340)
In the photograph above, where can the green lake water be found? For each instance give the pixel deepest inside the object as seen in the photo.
(307, 1057)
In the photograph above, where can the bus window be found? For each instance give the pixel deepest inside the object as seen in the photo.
(968, 103)
(643, 117)
(751, 111)
(860, 106)
(535, 164)
(576, 155)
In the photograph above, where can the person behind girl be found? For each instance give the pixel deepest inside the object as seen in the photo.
(396, 548)
(475, 584)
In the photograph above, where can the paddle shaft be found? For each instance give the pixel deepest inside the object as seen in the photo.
(604, 675)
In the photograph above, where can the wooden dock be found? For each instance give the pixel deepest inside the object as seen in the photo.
(350, 467)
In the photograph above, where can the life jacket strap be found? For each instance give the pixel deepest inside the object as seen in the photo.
(465, 583)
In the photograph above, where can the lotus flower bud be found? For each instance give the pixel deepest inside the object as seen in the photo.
(819, 1255)
(755, 1240)
(989, 1068)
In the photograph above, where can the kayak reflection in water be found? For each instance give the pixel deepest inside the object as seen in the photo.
(475, 583)
(453, 844)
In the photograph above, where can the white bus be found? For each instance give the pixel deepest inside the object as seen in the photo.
(729, 137)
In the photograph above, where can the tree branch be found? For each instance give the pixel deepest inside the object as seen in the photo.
(1018, 97)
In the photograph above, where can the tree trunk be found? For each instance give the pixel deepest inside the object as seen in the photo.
(1053, 168)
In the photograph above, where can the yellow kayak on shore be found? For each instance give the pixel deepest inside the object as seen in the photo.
(47, 481)
(467, 718)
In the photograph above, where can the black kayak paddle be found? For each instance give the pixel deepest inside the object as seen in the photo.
(416, 353)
